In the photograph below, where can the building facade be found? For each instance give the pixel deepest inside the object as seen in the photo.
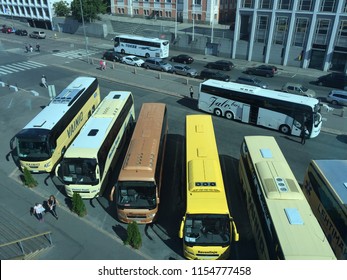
(39, 13)
(201, 11)
(302, 33)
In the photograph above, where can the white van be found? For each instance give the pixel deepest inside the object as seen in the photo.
(337, 97)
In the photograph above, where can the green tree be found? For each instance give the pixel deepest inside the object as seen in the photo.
(78, 205)
(133, 236)
(29, 179)
(91, 9)
(61, 8)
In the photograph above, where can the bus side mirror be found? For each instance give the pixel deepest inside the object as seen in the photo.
(11, 143)
(180, 233)
(235, 233)
(57, 171)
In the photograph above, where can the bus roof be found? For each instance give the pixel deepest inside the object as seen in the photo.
(135, 37)
(205, 187)
(59, 106)
(142, 155)
(253, 90)
(298, 231)
(335, 173)
(91, 136)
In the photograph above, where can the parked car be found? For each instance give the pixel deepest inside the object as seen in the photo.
(21, 32)
(336, 80)
(248, 80)
(157, 64)
(210, 74)
(298, 89)
(182, 58)
(262, 70)
(37, 35)
(111, 55)
(184, 70)
(132, 60)
(337, 97)
(221, 65)
(7, 29)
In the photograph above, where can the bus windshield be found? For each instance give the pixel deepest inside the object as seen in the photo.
(79, 171)
(138, 195)
(33, 146)
(207, 230)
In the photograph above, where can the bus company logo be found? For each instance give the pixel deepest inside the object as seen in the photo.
(214, 101)
(207, 252)
(76, 123)
(48, 164)
(131, 46)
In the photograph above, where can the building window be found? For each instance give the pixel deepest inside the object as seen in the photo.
(321, 34)
(262, 29)
(328, 6)
(284, 4)
(345, 7)
(305, 5)
(197, 2)
(265, 4)
(168, 1)
(281, 29)
(199, 16)
(300, 33)
(247, 4)
(136, 11)
(341, 39)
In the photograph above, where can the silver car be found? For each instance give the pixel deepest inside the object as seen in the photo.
(337, 97)
(184, 70)
(298, 89)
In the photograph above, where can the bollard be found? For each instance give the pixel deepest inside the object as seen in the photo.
(55, 36)
(134, 71)
(187, 82)
(342, 112)
(159, 76)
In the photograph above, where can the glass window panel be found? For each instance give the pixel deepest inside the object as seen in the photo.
(262, 29)
(322, 31)
(247, 4)
(265, 4)
(341, 39)
(306, 5)
(328, 6)
(284, 4)
(300, 33)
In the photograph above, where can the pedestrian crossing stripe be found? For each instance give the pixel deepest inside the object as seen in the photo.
(75, 53)
(19, 66)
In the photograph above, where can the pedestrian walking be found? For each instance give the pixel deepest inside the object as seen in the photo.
(44, 81)
(31, 48)
(27, 48)
(38, 210)
(52, 203)
(304, 134)
(191, 91)
(102, 65)
(38, 47)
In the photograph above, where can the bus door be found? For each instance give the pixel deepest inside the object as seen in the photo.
(245, 113)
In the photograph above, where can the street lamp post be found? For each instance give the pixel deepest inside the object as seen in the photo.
(176, 20)
(84, 31)
(193, 16)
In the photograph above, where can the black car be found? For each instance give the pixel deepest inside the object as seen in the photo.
(221, 65)
(21, 32)
(262, 70)
(210, 74)
(335, 80)
(111, 55)
(182, 58)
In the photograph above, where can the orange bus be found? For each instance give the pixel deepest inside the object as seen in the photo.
(138, 186)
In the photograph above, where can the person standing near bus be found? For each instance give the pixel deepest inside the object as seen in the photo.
(304, 134)
(52, 202)
(191, 91)
(38, 210)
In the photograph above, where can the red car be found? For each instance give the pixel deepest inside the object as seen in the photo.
(7, 29)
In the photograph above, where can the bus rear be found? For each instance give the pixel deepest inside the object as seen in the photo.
(139, 182)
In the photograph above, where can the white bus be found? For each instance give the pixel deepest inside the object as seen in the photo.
(87, 164)
(43, 141)
(272, 109)
(141, 46)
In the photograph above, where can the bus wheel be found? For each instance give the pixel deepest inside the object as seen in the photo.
(218, 112)
(284, 129)
(147, 55)
(122, 51)
(229, 115)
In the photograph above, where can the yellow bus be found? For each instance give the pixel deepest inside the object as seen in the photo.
(43, 141)
(325, 187)
(87, 164)
(139, 181)
(282, 221)
(207, 228)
